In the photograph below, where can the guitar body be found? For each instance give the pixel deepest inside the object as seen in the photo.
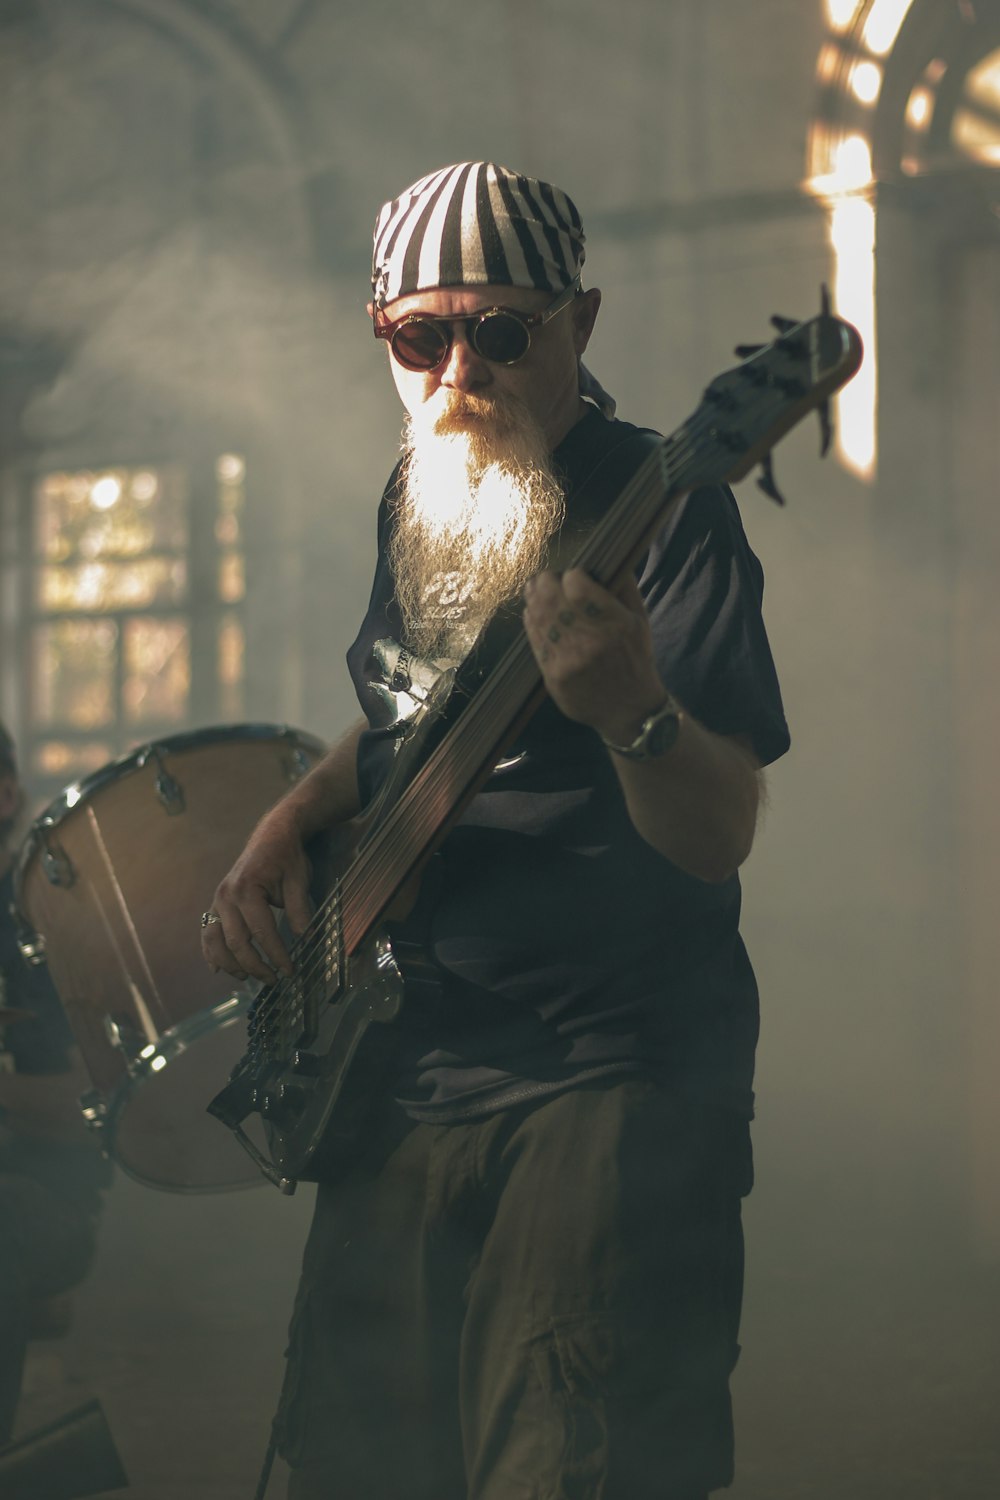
(317, 1097)
(321, 1049)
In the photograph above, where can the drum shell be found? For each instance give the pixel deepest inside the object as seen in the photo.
(136, 852)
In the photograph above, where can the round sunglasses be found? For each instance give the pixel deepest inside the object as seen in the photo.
(501, 334)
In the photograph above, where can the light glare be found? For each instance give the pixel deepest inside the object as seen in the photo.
(918, 108)
(976, 137)
(866, 81)
(983, 83)
(883, 24)
(105, 492)
(231, 468)
(852, 235)
(840, 13)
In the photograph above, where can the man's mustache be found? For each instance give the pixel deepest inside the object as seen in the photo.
(463, 410)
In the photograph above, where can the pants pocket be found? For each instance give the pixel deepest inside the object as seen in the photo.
(573, 1363)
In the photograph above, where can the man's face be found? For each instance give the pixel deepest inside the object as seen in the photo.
(546, 380)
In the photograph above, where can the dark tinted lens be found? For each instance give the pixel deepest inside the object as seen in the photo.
(501, 337)
(419, 345)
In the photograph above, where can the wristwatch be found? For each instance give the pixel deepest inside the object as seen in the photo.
(658, 733)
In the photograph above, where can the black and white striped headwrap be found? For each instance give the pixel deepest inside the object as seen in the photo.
(476, 224)
(479, 224)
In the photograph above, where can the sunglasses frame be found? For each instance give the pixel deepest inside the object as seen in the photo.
(388, 330)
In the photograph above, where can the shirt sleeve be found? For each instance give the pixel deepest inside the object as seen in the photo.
(703, 588)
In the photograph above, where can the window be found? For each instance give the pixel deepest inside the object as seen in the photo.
(134, 621)
(975, 126)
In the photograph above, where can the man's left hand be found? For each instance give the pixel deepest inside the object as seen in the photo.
(594, 649)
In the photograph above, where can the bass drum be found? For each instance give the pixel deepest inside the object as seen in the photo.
(110, 886)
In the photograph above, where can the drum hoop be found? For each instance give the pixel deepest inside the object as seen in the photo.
(134, 760)
(171, 1045)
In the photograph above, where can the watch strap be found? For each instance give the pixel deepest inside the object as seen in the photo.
(658, 734)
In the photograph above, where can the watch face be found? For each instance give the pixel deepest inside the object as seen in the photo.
(662, 732)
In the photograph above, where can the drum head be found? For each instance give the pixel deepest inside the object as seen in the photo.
(158, 1130)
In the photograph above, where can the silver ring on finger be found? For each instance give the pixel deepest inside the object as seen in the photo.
(208, 917)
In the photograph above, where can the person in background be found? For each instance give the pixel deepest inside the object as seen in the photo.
(51, 1173)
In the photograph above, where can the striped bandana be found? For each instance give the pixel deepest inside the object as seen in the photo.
(476, 224)
(479, 224)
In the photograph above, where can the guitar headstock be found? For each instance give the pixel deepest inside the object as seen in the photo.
(747, 409)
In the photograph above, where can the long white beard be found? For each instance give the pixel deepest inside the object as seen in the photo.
(479, 501)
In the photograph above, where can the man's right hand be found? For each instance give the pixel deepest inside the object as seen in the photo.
(273, 871)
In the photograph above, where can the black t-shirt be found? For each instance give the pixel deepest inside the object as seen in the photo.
(569, 948)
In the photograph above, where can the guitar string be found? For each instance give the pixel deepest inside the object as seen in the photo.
(360, 883)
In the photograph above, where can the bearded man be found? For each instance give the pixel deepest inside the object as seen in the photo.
(527, 1286)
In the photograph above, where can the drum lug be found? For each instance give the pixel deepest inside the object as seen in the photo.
(94, 1108)
(31, 946)
(169, 791)
(55, 860)
(123, 1036)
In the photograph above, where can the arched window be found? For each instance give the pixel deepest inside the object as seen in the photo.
(909, 90)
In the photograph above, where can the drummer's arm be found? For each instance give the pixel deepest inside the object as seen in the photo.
(274, 870)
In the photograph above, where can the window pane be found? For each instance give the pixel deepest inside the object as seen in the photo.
(232, 650)
(230, 474)
(112, 585)
(157, 671)
(75, 673)
(977, 137)
(113, 512)
(232, 580)
(64, 759)
(983, 82)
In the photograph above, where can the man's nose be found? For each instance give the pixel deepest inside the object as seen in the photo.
(464, 369)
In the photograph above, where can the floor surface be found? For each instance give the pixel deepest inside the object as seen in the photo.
(853, 1385)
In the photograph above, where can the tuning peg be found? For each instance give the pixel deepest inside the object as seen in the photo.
(825, 428)
(766, 481)
(824, 299)
(783, 325)
(744, 351)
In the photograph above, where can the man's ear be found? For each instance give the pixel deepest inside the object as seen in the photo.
(585, 308)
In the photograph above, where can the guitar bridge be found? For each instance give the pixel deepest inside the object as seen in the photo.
(232, 1105)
